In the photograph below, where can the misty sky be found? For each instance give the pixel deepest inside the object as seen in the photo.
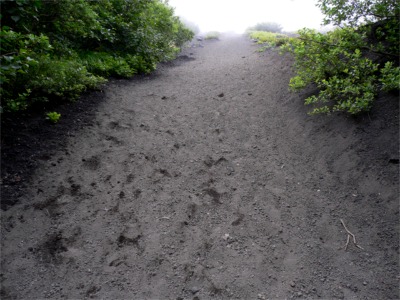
(237, 15)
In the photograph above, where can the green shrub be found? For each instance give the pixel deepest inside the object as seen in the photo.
(269, 38)
(20, 54)
(182, 34)
(352, 64)
(212, 35)
(105, 64)
(58, 49)
(390, 78)
(140, 64)
(62, 78)
(346, 79)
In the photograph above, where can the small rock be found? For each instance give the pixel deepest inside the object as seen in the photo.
(299, 294)
(195, 290)
(221, 95)
(292, 284)
(364, 283)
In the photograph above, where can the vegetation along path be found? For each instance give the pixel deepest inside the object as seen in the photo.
(207, 180)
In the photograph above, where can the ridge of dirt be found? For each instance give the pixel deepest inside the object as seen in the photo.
(205, 180)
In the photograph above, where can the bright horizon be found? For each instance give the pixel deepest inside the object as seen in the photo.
(236, 16)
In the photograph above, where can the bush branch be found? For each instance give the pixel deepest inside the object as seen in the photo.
(362, 47)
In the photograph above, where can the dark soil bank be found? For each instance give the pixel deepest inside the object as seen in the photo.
(206, 180)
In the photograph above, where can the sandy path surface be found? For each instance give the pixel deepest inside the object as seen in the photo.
(207, 180)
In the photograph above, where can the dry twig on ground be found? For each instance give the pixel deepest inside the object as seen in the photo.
(350, 234)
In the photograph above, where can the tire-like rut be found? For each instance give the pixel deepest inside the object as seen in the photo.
(208, 180)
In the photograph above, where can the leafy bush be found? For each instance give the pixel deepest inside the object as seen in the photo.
(390, 77)
(30, 74)
(269, 38)
(351, 64)
(62, 78)
(20, 54)
(182, 33)
(105, 64)
(212, 35)
(58, 49)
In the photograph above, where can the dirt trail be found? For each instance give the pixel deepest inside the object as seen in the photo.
(207, 180)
